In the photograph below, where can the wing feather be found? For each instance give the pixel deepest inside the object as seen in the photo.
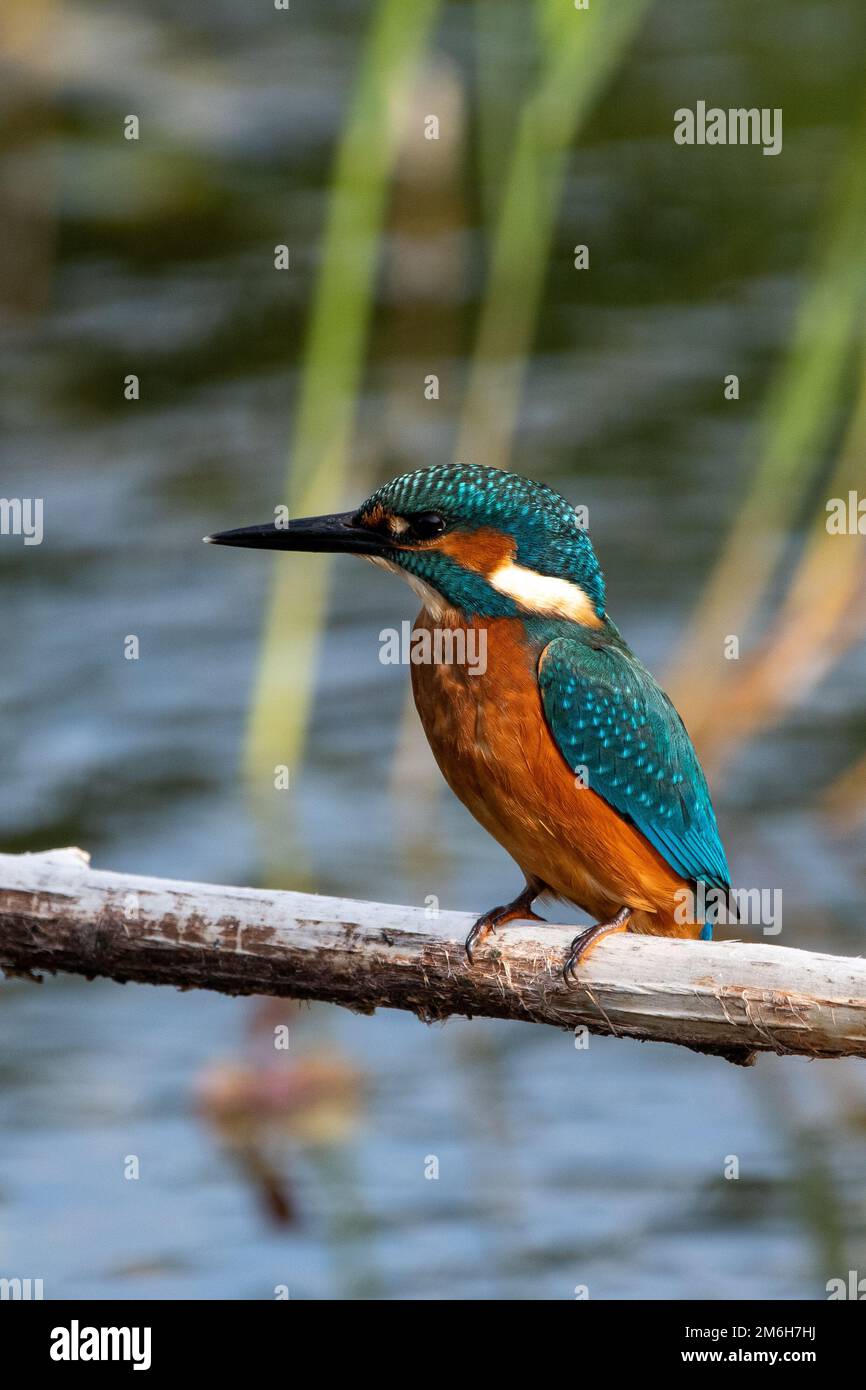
(607, 715)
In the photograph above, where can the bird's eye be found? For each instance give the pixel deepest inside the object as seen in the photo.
(426, 525)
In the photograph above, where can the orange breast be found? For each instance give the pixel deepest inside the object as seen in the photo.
(491, 741)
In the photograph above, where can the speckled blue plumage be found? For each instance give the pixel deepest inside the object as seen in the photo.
(608, 715)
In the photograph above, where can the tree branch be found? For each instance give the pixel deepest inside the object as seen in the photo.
(730, 998)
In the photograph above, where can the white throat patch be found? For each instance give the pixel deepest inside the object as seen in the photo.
(432, 601)
(542, 593)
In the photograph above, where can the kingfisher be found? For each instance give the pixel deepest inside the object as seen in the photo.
(563, 746)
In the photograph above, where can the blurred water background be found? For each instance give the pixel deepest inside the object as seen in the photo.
(557, 1167)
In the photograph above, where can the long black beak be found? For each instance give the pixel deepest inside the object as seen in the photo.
(323, 533)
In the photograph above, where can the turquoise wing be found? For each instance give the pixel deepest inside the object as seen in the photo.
(608, 715)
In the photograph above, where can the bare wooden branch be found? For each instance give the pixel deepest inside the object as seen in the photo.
(731, 998)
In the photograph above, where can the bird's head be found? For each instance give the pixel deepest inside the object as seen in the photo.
(487, 543)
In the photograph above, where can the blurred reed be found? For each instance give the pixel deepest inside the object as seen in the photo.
(799, 421)
(821, 615)
(28, 185)
(844, 801)
(578, 54)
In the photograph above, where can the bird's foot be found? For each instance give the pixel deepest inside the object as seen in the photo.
(587, 940)
(518, 911)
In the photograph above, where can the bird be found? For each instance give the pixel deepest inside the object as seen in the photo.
(563, 747)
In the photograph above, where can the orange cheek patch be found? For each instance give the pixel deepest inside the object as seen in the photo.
(483, 550)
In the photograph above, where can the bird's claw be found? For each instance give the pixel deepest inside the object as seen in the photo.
(518, 911)
(569, 970)
(576, 952)
(479, 933)
(586, 940)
